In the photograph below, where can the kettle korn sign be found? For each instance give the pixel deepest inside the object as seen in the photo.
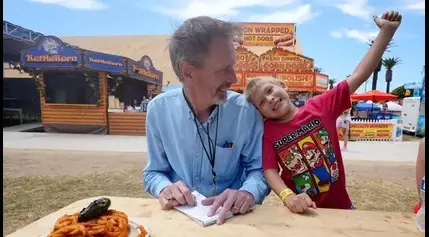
(51, 52)
(104, 62)
(264, 34)
(145, 70)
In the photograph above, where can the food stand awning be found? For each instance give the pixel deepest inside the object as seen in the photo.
(374, 95)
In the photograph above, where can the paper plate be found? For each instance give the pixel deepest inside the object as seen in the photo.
(134, 231)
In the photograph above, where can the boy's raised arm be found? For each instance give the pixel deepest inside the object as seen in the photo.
(388, 24)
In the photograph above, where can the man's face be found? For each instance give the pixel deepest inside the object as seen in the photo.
(217, 74)
(271, 100)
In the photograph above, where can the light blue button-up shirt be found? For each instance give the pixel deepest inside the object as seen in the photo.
(175, 151)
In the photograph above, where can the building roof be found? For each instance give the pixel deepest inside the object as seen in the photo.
(135, 46)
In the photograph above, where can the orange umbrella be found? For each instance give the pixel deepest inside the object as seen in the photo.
(351, 99)
(374, 95)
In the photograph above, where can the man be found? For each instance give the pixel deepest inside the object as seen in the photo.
(143, 105)
(203, 137)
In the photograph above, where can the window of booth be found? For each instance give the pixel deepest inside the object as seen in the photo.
(71, 87)
(128, 90)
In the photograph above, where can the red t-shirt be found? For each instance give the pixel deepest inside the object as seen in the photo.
(308, 151)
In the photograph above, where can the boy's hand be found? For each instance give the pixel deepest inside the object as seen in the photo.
(299, 203)
(389, 20)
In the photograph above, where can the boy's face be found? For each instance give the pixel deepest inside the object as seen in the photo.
(271, 100)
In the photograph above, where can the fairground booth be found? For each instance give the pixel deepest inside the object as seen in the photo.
(84, 91)
(260, 53)
(20, 97)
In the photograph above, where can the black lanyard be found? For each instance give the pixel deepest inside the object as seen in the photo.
(211, 152)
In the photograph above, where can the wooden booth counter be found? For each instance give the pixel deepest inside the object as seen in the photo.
(127, 123)
(265, 220)
(76, 118)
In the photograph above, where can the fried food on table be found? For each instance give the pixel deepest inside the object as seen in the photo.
(109, 224)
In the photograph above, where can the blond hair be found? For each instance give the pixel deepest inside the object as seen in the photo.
(254, 82)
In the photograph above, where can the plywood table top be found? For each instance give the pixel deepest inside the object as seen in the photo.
(265, 220)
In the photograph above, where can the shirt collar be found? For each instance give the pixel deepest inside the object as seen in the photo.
(213, 114)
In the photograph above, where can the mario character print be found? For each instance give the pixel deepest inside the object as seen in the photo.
(335, 172)
(293, 160)
(314, 158)
(304, 184)
(324, 141)
(322, 138)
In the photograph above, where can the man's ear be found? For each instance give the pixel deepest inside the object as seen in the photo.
(186, 70)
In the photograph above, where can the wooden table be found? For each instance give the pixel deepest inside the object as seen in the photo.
(264, 221)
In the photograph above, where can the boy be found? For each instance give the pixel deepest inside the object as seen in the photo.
(304, 141)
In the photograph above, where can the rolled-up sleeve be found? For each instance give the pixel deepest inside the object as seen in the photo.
(251, 156)
(155, 175)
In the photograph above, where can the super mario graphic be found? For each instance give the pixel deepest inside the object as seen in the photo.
(322, 137)
(335, 172)
(304, 184)
(293, 160)
(317, 164)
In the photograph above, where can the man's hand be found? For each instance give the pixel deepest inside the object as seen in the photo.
(299, 203)
(235, 200)
(174, 195)
(389, 20)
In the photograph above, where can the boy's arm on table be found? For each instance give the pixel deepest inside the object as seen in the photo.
(388, 24)
(270, 165)
(154, 175)
(275, 181)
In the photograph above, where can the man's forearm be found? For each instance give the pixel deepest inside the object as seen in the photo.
(256, 185)
(371, 59)
(154, 182)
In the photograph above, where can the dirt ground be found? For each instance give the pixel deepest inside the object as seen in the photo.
(38, 182)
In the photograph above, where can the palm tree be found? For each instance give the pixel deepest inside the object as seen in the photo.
(389, 63)
(331, 82)
(317, 69)
(378, 68)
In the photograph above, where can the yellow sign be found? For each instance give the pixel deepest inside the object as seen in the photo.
(371, 131)
(249, 75)
(264, 34)
(278, 59)
(144, 72)
(246, 60)
(297, 80)
(321, 80)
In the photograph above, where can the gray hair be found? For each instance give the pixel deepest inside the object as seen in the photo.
(190, 42)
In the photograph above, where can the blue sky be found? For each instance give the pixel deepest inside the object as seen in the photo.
(333, 32)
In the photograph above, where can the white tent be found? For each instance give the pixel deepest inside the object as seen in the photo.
(392, 106)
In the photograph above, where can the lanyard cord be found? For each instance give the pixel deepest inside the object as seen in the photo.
(212, 144)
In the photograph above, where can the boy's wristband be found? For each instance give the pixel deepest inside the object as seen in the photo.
(285, 193)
